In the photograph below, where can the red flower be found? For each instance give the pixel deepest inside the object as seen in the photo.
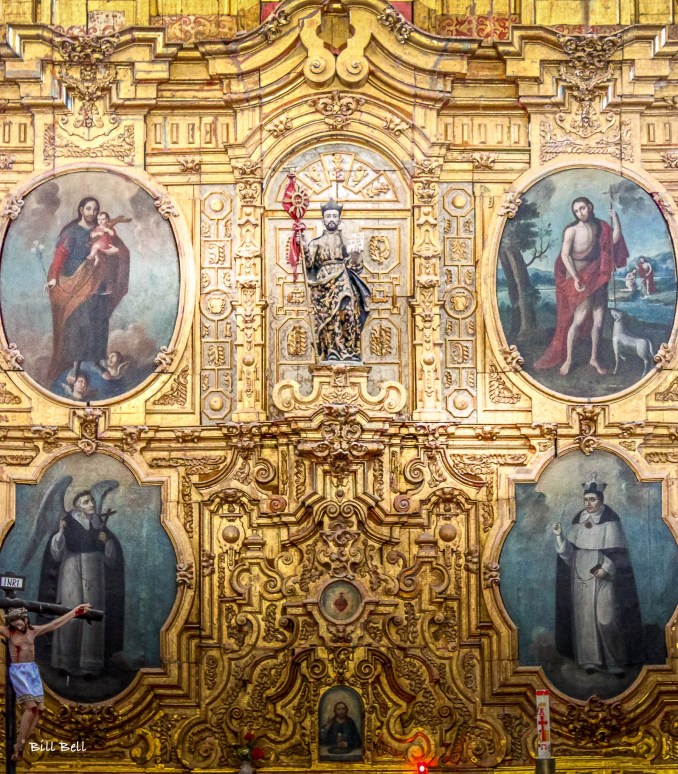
(248, 737)
(257, 754)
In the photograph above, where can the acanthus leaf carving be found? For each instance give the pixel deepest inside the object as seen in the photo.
(279, 126)
(88, 75)
(596, 723)
(616, 143)
(177, 395)
(121, 146)
(395, 22)
(664, 356)
(185, 574)
(587, 417)
(275, 25)
(166, 208)
(337, 109)
(499, 390)
(12, 207)
(586, 74)
(670, 394)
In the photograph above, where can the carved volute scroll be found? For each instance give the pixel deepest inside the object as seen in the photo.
(335, 481)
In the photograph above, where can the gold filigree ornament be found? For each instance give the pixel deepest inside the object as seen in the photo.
(587, 74)
(337, 110)
(88, 76)
(596, 723)
(395, 22)
(510, 205)
(587, 417)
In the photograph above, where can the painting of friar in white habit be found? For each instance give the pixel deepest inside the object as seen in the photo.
(89, 285)
(89, 533)
(586, 282)
(590, 574)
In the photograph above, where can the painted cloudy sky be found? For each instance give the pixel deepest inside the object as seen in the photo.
(145, 318)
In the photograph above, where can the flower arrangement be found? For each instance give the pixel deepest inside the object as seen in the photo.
(247, 751)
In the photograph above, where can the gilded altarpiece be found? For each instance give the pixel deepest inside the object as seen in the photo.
(352, 539)
(376, 216)
(217, 298)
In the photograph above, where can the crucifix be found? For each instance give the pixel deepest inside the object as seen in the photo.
(22, 679)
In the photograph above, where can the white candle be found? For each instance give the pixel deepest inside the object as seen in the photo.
(543, 726)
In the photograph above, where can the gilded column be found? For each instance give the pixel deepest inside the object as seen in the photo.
(249, 307)
(428, 348)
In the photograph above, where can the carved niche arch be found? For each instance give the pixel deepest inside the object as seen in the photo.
(377, 213)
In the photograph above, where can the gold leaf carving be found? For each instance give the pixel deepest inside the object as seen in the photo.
(177, 395)
(337, 109)
(615, 143)
(499, 390)
(12, 357)
(596, 723)
(8, 398)
(379, 249)
(395, 22)
(86, 73)
(380, 340)
(185, 574)
(670, 394)
(120, 147)
(275, 25)
(12, 207)
(7, 160)
(297, 341)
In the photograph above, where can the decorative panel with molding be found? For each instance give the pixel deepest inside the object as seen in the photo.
(376, 221)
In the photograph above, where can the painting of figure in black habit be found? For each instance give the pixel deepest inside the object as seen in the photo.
(83, 562)
(590, 574)
(90, 285)
(88, 533)
(586, 282)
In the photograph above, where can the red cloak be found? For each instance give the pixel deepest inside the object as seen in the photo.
(595, 275)
(72, 291)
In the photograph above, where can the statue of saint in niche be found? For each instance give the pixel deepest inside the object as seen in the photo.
(338, 294)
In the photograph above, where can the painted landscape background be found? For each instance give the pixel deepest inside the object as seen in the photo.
(528, 250)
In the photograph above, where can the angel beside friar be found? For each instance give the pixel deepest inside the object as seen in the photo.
(82, 568)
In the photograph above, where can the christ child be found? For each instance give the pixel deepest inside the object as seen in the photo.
(102, 238)
(23, 671)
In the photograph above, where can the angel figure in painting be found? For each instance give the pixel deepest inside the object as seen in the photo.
(23, 671)
(82, 564)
